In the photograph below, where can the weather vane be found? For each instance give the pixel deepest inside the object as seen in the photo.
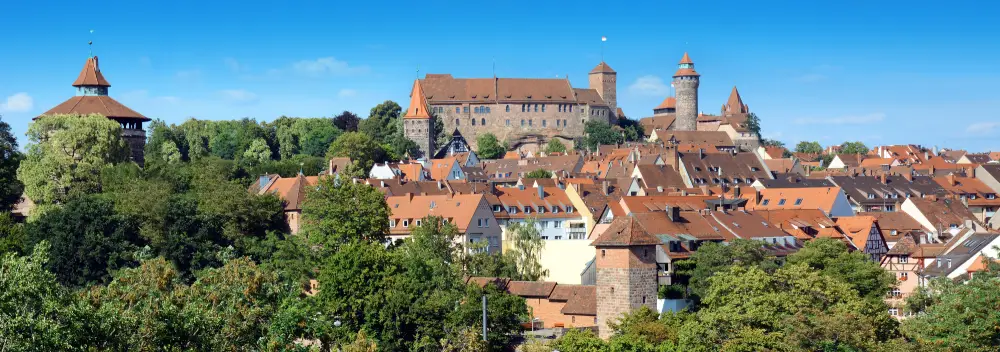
(91, 43)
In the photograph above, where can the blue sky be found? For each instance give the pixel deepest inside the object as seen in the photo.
(883, 72)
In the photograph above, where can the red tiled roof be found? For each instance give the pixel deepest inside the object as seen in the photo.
(735, 104)
(602, 68)
(91, 75)
(625, 231)
(686, 72)
(668, 103)
(418, 103)
(583, 302)
(102, 105)
(686, 59)
(540, 289)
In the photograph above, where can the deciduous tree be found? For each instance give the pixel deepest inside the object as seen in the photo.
(358, 146)
(526, 249)
(10, 158)
(555, 146)
(489, 146)
(338, 212)
(808, 147)
(853, 148)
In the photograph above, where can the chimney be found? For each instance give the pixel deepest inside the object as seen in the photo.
(736, 192)
(882, 178)
(930, 171)
(673, 213)
(908, 175)
(701, 153)
(604, 187)
(440, 185)
(541, 192)
(951, 179)
(758, 197)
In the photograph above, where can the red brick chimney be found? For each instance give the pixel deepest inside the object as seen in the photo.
(951, 179)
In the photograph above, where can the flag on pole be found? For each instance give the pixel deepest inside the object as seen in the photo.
(604, 39)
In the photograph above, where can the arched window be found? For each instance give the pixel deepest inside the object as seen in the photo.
(473, 121)
(483, 120)
(456, 121)
(544, 122)
(508, 108)
(522, 122)
(522, 107)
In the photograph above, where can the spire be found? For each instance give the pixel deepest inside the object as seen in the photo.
(735, 104)
(602, 68)
(686, 59)
(686, 67)
(91, 75)
(418, 103)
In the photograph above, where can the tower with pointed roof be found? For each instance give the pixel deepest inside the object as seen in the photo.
(626, 271)
(92, 98)
(686, 81)
(417, 124)
(734, 105)
(604, 80)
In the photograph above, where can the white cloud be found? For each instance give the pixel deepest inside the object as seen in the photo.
(842, 120)
(234, 65)
(238, 96)
(20, 102)
(983, 128)
(649, 85)
(347, 93)
(327, 66)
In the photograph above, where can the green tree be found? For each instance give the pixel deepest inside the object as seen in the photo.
(598, 133)
(771, 143)
(831, 257)
(712, 258)
(362, 149)
(853, 148)
(808, 147)
(381, 121)
(338, 212)
(540, 173)
(10, 158)
(957, 316)
(633, 130)
(11, 235)
(314, 136)
(526, 249)
(170, 153)
(67, 154)
(580, 340)
(351, 280)
(88, 240)
(402, 147)
(489, 146)
(555, 146)
(258, 152)
(36, 312)
(753, 124)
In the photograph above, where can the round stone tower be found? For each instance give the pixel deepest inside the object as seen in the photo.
(685, 83)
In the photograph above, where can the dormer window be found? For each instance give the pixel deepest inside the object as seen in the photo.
(512, 210)
(991, 196)
(754, 168)
(972, 196)
(953, 226)
(406, 223)
(555, 209)
(527, 210)
(781, 201)
(497, 208)
(569, 209)
(541, 210)
(871, 196)
(392, 222)
(798, 201)
(764, 203)
(418, 222)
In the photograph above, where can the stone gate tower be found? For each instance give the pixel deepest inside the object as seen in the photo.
(604, 80)
(626, 271)
(686, 82)
(417, 124)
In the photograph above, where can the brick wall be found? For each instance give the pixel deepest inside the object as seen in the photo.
(542, 126)
(136, 140)
(550, 313)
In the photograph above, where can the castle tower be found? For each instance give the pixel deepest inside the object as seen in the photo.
(626, 271)
(686, 85)
(92, 98)
(604, 80)
(734, 105)
(417, 125)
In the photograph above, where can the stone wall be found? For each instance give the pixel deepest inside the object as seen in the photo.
(626, 280)
(506, 126)
(419, 131)
(606, 84)
(687, 103)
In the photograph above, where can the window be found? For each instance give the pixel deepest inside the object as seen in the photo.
(536, 107)
(392, 222)
(543, 107)
(541, 209)
(522, 123)
(781, 202)
(508, 122)
(557, 224)
(486, 222)
(569, 209)
(529, 122)
(603, 253)
(456, 122)
(798, 201)
(482, 121)
(991, 196)
(527, 210)
(871, 196)
(508, 108)
(545, 224)
(458, 110)
(544, 122)
(895, 292)
(473, 122)
(522, 107)
(894, 232)
(557, 123)
(903, 276)
(465, 109)
(406, 223)
(765, 202)
(894, 311)
(418, 222)
(545, 237)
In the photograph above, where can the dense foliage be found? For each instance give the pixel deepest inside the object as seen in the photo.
(808, 147)
(599, 133)
(489, 147)
(10, 159)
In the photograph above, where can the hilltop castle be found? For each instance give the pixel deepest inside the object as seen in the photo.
(525, 112)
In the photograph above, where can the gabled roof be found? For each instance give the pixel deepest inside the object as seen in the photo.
(459, 208)
(91, 75)
(602, 68)
(441, 168)
(623, 232)
(857, 228)
(292, 190)
(418, 103)
(822, 198)
(735, 104)
(540, 289)
(102, 105)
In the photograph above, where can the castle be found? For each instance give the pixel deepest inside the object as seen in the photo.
(92, 98)
(525, 112)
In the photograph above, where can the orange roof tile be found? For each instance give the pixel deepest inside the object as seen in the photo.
(625, 231)
(857, 228)
(553, 204)
(440, 168)
(794, 198)
(735, 103)
(458, 209)
(602, 68)
(668, 103)
(102, 105)
(686, 72)
(292, 190)
(418, 103)
(686, 59)
(91, 75)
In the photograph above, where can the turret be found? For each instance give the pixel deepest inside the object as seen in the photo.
(686, 81)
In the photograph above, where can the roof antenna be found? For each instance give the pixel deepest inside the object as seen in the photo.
(91, 43)
(494, 67)
(418, 71)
